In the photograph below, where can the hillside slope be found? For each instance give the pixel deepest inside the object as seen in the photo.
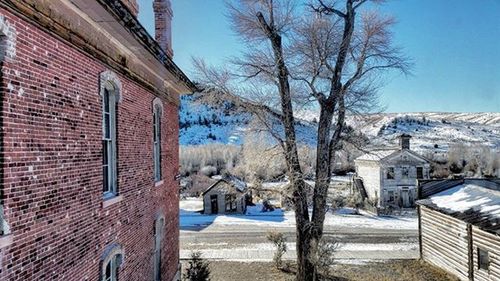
(201, 124)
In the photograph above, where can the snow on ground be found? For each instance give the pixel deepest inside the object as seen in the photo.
(190, 206)
(279, 218)
(345, 253)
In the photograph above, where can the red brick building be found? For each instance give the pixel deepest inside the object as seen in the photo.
(89, 142)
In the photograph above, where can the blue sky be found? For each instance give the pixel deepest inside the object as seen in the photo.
(455, 45)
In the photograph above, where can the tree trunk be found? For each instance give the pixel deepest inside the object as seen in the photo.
(305, 268)
(303, 245)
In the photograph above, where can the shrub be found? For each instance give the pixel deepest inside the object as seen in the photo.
(279, 240)
(198, 268)
(322, 256)
(208, 171)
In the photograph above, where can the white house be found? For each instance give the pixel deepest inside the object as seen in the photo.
(388, 177)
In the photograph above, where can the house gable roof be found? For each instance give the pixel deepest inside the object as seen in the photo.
(401, 154)
(389, 155)
(236, 184)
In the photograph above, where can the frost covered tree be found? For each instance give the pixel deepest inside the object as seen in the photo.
(327, 53)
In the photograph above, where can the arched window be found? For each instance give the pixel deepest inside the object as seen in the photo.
(112, 259)
(158, 233)
(157, 117)
(110, 92)
(7, 54)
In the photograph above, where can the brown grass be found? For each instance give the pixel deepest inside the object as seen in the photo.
(390, 271)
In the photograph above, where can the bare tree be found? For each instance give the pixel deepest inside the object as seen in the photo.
(294, 59)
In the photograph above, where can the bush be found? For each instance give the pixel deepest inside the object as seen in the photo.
(208, 171)
(198, 269)
(279, 241)
(322, 256)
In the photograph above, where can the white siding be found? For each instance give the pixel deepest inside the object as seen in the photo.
(445, 242)
(369, 171)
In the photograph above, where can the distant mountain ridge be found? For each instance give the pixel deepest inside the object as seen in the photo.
(202, 124)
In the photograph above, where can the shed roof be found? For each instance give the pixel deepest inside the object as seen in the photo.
(475, 201)
(236, 183)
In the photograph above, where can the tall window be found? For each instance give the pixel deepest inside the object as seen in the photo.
(158, 232)
(404, 172)
(7, 54)
(420, 173)
(109, 165)
(157, 142)
(390, 173)
(231, 202)
(3, 224)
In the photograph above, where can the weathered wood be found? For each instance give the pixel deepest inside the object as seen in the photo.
(471, 252)
(444, 242)
(491, 243)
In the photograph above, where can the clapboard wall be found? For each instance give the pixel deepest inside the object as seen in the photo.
(490, 243)
(444, 242)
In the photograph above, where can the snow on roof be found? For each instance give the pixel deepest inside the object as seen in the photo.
(475, 201)
(469, 196)
(376, 155)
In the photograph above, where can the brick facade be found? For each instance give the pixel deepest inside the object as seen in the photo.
(163, 24)
(51, 115)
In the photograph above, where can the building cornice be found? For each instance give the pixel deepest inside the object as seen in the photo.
(162, 77)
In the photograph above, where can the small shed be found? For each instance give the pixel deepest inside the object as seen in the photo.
(225, 196)
(459, 226)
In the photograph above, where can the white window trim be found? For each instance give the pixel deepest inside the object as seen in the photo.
(109, 256)
(157, 140)
(158, 237)
(8, 41)
(110, 84)
(8, 52)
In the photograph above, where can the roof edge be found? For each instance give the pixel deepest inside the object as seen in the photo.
(123, 15)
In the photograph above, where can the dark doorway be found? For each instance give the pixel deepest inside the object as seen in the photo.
(213, 203)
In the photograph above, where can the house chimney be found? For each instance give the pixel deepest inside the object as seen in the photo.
(163, 25)
(404, 141)
(132, 6)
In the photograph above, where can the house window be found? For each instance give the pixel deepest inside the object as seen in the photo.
(109, 165)
(112, 261)
(390, 173)
(390, 196)
(158, 233)
(404, 172)
(230, 202)
(420, 173)
(483, 259)
(157, 142)
(3, 223)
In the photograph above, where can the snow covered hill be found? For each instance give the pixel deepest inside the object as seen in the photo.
(201, 124)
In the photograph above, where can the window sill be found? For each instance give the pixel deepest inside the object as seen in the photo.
(111, 201)
(5, 241)
(158, 183)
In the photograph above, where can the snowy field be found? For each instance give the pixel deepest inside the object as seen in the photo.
(191, 217)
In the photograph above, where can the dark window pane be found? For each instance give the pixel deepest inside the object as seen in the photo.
(105, 152)
(107, 126)
(105, 179)
(420, 173)
(483, 259)
(108, 270)
(106, 101)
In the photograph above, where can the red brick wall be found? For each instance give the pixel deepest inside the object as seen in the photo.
(51, 114)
